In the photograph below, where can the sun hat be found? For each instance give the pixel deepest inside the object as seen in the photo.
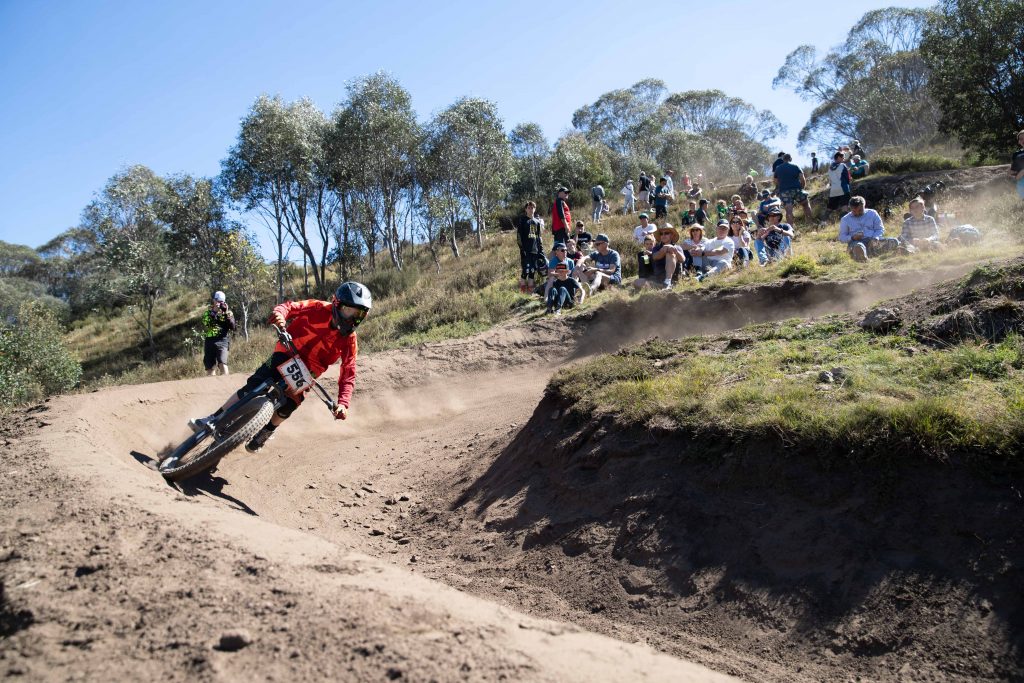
(669, 229)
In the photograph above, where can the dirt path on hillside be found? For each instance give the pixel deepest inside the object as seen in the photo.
(107, 571)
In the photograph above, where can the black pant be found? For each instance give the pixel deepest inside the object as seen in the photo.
(268, 373)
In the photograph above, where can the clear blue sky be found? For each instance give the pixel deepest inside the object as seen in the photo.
(91, 86)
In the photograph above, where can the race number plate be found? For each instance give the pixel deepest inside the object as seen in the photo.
(296, 375)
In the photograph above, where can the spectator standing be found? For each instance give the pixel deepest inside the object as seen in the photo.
(644, 229)
(645, 191)
(779, 160)
(748, 190)
(814, 162)
(789, 183)
(596, 203)
(838, 185)
(218, 324)
(531, 247)
(628, 198)
(669, 178)
(718, 252)
(920, 230)
(645, 265)
(563, 291)
(693, 250)
(686, 182)
(666, 257)
(857, 150)
(863, 233)
(607, 265)
(661, 198)
(1017, 165)
(561, 218)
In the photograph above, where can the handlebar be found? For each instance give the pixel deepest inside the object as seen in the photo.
(286, 339)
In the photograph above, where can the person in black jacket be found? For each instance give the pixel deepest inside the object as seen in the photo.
(531, 247)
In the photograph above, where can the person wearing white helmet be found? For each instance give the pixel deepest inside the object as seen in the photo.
(324, 333)
(218, 324)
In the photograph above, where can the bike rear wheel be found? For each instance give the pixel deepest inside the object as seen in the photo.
(196, 455)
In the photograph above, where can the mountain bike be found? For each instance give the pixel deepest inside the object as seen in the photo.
(239, 423)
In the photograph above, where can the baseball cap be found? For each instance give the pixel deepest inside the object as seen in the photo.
(559, 245)
(219, 296)
(644, 215)
(562, 188)
(562, 266)
(601, 238)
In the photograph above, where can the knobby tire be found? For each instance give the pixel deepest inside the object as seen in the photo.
(241, 427)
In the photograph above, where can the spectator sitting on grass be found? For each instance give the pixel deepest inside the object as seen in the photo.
(702, 213)
(667, 256)
(628, 198)
(574, 255)
(722, 209)
(768, 202)
(740, 237)
(775, 239)
(559, 255)
(863, 233)
(582, 237)
(564, 291)
(662, 197)
(606, 268)
(693, 251)
(737, 206)
(748, 190)
(920, 230)
(858, 167)
(689, 217)
(718, 252)
(695, 192)
(645, 265)
(644, 229)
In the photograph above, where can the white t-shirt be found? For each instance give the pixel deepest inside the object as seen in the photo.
(640, 232)
(741, 241)
(714, 244)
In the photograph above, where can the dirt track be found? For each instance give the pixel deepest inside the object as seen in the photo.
(310, 546)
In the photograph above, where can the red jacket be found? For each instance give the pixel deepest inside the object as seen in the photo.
(561, 219)
(319, 344)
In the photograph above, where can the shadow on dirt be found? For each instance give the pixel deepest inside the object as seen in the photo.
(201, 484)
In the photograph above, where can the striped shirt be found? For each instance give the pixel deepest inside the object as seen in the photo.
(923, 228)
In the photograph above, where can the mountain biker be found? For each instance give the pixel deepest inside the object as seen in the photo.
(218, 322)
(323, 332)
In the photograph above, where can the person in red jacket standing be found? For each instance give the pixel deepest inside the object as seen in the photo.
(323, 332)
(561, 219)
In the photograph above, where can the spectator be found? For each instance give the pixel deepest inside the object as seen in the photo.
(564, 291)
(645, 191)
(559, 255)
(722, 210)
(644, 229)
(814, 163)
(561, 219)
(628, 198)
(768, 202)
(669, 177)
(606, 268)
(606, 209)
(718, 252)
(858, 167)
(748, 190)
(596, 198)
(741, 239)
(661, 198)
(582, 237)
(689, 217)
(693, 250)
(838, 185)
(218, 323)
(737, 206)
(857, 150)
(573, 253)
(775, 239)
(920, 230)
(695, 191)
(862, 231)
(702, 213)
(790, 183)
(686, 181)
(699, 180)
(531, 247)
(667, 257)
(1017, 165)
(779, 160)
(645, 265)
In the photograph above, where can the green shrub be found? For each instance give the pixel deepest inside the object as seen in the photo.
(912, 163)
(800, 265)
(33, 359)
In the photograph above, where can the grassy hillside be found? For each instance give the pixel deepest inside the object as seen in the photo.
(422, 303)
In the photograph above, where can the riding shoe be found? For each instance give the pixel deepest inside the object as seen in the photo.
(199, 424)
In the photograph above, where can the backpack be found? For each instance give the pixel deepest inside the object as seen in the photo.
(596, 194)
(967, 234)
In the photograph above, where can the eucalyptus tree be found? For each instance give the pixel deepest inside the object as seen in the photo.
(134, 242)
(579, 163)
(376, 130)
(530, 151)
(626, 120)
(873, 86)
(481, 160)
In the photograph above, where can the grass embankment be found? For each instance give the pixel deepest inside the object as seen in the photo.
(421, 304)
(883, 395)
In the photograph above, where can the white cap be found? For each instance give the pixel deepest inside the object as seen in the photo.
(219, 296)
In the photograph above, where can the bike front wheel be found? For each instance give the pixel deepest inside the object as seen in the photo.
(196, 455)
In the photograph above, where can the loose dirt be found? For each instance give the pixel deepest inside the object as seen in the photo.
(420, 540)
